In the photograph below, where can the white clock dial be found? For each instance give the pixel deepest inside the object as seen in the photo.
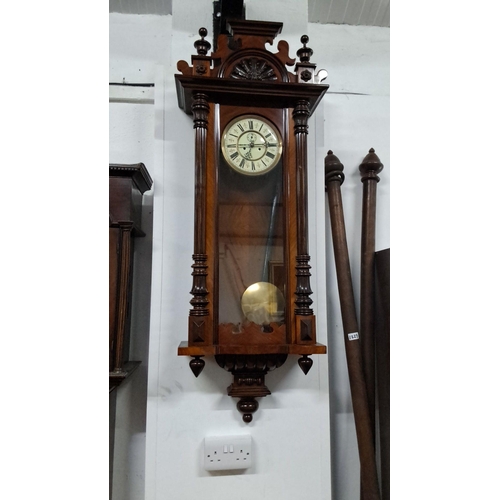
(251, 145)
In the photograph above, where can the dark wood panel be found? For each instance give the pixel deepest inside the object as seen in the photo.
(249, 333)
(248, 222)
(383, 361)
(114, 239)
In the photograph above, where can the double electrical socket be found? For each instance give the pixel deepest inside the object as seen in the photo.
(228, 452)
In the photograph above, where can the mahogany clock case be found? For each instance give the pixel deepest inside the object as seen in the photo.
(250, 230)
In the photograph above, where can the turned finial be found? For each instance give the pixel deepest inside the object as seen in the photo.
(305, 363)
(196, 365)
(370, 166)
(333, 168)
(202, 46)
(304, 52)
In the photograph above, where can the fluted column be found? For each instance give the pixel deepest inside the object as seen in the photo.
(198, 328)
(303, 302)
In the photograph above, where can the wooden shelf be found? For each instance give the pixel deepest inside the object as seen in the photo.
(186, 350)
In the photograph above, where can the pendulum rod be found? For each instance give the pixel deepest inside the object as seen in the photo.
(270, 234)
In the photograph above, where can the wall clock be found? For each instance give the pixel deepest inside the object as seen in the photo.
(251, 303)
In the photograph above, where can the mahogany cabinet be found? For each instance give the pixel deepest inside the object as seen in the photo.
(127, 184)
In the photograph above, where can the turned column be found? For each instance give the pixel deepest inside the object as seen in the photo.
(305, 321)
(303, 302)
(198, 325)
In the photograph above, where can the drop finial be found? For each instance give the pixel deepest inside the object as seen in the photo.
(196, 365)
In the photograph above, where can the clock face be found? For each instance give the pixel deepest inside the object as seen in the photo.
(251, 145)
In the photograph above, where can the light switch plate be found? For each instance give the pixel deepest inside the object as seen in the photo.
(228, 452)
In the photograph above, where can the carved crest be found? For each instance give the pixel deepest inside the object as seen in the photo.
(243, 56)
(253, 68)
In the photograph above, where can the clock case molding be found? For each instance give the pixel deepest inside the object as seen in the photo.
(243, 77)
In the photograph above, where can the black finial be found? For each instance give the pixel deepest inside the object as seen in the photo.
(202, 46)
(196, 365)
(305, 363)
(304, 52)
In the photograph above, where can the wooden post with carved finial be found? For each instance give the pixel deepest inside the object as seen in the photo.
(199, 330)
(334, 177)
(369, 168)
(304, 314)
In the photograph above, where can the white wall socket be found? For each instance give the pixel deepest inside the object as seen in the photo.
(228, 452)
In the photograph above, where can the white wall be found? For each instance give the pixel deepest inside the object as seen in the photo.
(137, 45)
(290, 462)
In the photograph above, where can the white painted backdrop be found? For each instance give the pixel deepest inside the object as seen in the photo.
(161, 458)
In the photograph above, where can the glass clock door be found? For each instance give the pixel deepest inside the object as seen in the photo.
(251, 253)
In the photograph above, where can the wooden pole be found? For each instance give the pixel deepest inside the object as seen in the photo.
(334, 177)
(369, 169)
